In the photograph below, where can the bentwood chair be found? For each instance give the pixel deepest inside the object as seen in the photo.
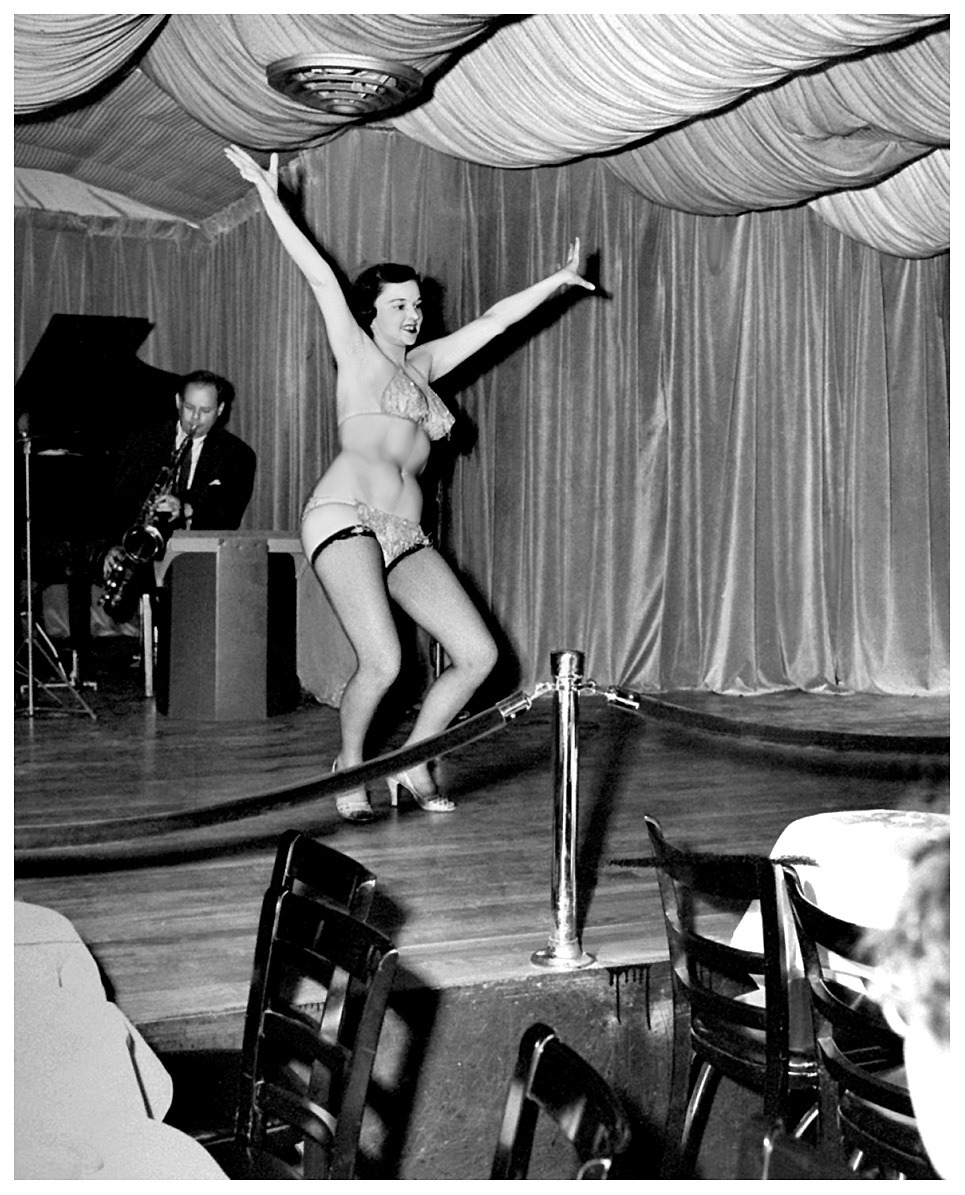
(313, 869)
(730, 1006)
(865, 1110)
(552, 1078)
(306, 1065)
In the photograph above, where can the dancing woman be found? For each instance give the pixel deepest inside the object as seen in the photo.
(360, 527)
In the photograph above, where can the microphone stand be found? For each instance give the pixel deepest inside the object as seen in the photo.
(35, 638)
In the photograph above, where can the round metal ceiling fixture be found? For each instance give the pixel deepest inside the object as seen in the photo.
(345, 84)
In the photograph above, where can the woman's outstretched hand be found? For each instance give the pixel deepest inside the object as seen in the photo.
(249, 169)
(570, 269)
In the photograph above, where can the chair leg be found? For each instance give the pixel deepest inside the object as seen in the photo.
(681, 1071)
(804, 1124)
(698, 1110)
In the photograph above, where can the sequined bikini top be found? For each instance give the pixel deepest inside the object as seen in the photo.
(404, 399)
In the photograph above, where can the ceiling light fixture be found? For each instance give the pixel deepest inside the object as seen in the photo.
(345, 84)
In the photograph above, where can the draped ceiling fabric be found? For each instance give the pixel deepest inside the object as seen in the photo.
(907, 213)
(728, 471)
(58, 58)
(214, 67)
(44, 190)
(706, 113)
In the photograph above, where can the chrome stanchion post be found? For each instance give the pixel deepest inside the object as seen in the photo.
(28, 545)
(564, 949)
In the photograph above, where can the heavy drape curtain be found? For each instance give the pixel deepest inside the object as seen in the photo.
(728, 470)
(101, 267)
(806, 515)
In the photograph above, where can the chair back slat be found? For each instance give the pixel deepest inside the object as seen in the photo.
(306, 936)
(280, 1103)
(731, 1005)
(703, 965)
(312, 868)
(284, 1031)
(860, 1056)
(321, 980)
(552, 1078)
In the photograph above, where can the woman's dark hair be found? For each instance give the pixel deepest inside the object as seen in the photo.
(368, 285)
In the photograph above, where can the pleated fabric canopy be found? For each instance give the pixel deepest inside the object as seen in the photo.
(714, 114)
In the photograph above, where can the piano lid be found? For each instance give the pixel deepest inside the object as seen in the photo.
(85, 384)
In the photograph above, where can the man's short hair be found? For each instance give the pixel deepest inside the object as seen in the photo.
(913, 957)
(223, 389)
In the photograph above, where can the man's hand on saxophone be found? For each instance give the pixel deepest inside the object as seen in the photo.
(171, 505)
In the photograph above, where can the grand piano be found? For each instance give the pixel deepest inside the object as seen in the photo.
(81, 393)
(84, 386)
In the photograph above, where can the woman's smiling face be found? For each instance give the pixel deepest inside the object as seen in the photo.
(398, 314)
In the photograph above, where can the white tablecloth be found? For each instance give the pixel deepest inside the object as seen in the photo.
(90, 1093)
(862, 860)
(861, 865)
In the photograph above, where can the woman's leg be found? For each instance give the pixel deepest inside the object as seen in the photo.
(428, 591)
(352, 574)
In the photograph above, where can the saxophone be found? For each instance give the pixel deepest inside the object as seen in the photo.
(142, 543)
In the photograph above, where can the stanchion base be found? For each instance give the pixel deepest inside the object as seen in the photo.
(549, 957)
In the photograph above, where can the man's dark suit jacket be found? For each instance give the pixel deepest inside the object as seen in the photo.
(220, 491)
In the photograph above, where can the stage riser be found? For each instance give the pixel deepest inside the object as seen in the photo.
(445, 1059)
(456, 1057)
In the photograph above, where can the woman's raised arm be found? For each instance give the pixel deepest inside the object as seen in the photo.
(447, 352)
(341, 326)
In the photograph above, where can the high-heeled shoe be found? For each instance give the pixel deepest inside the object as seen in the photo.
(433, 802)
(354, 806)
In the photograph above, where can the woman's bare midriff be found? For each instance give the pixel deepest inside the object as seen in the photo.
(379, 464)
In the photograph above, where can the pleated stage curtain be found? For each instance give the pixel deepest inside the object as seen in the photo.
(729, 470)
(805, 437)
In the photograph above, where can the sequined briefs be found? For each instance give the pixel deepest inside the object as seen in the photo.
(396, 536)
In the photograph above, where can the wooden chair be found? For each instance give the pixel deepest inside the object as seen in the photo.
(865, 1109)
(721, 1024)
(315, 870)
(551, 1077)
(306, 1065)
(311, 868)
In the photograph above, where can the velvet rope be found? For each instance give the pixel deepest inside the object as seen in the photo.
(52, 839)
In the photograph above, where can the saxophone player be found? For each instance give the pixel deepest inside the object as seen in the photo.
(213, 485)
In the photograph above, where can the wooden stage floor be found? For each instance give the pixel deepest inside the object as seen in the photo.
(466, 895)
